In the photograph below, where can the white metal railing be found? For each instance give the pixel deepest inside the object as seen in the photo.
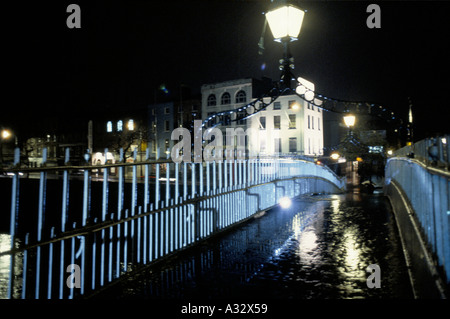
(430, 151)
(89, 225)
(428, 191)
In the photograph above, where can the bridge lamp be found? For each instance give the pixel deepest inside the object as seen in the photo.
(305, 88)
(335, 156)
(6, 134)
(349, 120)
(285, 21)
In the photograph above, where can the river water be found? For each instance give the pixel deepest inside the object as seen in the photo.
(319, 248)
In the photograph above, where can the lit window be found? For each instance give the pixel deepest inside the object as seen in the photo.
(292, 120)
(241, 97)
(276, 122)
(211, 100)
(131, 125)
(119, 126)
(109, 127)
(226, 99)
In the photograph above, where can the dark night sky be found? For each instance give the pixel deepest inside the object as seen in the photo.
(58, 77)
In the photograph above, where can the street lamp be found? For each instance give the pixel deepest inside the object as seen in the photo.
(285, 21)
(349, 120)
(6, 134)
(335, 156)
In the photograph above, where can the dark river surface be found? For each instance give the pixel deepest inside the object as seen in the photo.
(319, 248)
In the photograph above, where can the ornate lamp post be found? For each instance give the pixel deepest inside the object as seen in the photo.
(285, 21)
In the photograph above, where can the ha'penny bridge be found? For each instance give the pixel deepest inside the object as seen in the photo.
(159, 229)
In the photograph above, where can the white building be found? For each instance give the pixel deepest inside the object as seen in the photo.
(290, 125)
(230, 95)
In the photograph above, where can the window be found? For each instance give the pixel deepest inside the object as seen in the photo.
(130, 125)
(292, 119)
(276, 105)
(226, 99)
(211, 100)
(241, 97)
(318, 123)
(262, 147)
(292, 144)
(309, 120)
(262, 121)
(109, 127)
(277, 145)
(167, 110)
(166, 125)
(276, 122)
(119, 126)
(312, 122)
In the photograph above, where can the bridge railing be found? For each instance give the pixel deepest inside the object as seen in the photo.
(431, 151)
(424, 189)
(75, 229)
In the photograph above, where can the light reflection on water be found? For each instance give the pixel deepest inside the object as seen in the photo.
(317, 249)
(5, 264)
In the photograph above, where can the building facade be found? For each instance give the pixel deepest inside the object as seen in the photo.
(231, 95)
(161, 124)
(290, 125)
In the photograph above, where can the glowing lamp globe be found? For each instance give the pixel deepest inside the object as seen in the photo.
(349, 120)
(285, 22)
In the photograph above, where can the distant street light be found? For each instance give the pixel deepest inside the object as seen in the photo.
(335, 156)
(285, 22)
(6, 134)
(349, 120)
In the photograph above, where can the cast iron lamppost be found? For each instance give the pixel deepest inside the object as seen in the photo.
(349, 121)
(285, 21)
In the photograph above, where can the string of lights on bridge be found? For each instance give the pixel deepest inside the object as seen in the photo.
(305, 90)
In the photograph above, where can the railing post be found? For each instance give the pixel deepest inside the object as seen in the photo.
(41, 211)
(13, 221)
(65, 203)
